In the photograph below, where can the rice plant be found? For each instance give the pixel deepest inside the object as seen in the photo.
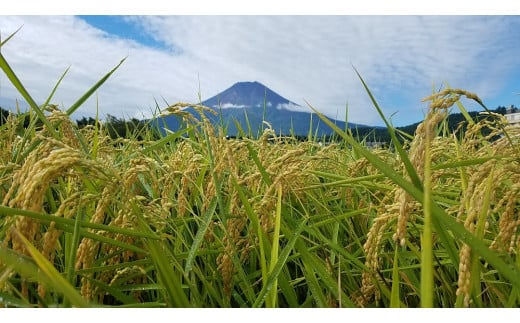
(192, 219)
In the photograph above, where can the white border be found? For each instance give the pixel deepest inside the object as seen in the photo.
(262, 7)
(301, 315)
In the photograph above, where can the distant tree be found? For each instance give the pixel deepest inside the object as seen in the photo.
(83, 122)
(134, 128)
(116, 127)
(501, 110)
(3, 115)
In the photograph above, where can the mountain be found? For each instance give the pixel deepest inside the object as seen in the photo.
(251, 103)
(246, 94)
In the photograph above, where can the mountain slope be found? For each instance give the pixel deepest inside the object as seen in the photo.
(251, 103)
(246, 94)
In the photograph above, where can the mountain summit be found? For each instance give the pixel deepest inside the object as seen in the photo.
(247, 95)
(251, 103)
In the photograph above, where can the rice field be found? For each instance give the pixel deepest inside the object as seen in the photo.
(193, 219)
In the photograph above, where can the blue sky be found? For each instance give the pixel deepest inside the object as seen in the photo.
(124, 27)
(303, 58)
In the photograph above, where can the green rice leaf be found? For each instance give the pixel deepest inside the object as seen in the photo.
(52, 276)
(404, 157)
(271, 299)
(21, 89)
(169, 277)
(203, 227)
(3, 42)
(87, 94)
(284, 255)
(394, 298)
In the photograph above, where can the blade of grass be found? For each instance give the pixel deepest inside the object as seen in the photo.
(335, 234)
(243, 278)
(475, 273)
(404, 157)
(49, 98)
(320, 269)
(19, 86)
(394, 297)
(469, 162)
(164, 263)
(52, 275)
(427, 287)
(72, 247)
(3, 42)
(87, 94)
(273, 276)
(309, 133)
(248, 124)
(271, 297)
(112, 291)
(10, 301)
(287, 289)
(203, 227)
(67, 224)
(514, 297)
(165, 140)
(314, 285)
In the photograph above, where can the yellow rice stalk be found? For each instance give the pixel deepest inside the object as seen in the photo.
(403, 208)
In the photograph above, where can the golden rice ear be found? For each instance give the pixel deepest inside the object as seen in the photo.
(446, 98)
(509, 222)
(417, 157)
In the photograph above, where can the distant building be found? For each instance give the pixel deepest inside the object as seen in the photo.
(513, 117)
(375, 144)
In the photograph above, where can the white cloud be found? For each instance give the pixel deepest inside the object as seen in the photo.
(292, 107)
(47, 45)
(229, 106)
(303, 58)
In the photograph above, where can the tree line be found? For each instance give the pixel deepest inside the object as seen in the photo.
(122, 128)
(116, 127)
